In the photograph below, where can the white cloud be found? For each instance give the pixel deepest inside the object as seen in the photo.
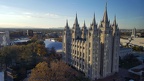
(42, 15)
(12, 16)
(10, 10)
(52, 15)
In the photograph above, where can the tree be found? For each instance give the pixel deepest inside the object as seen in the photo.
(6, 55)
(34, 38)
(59, 39)
(56, 71)
(41, 50)
(137, 48)
(17, 54)
(40, 73)
(60, 71)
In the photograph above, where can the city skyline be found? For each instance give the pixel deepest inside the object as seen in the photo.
(54, 13)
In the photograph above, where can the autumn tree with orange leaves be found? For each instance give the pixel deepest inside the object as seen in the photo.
(55, 71)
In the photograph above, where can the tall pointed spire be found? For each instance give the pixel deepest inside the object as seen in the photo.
(76, 20)
(105, 17)
(94, 21)
(94, 25)
(114, 23)
(115, 26)
(67, 23)
(84, 31)
(84, 24)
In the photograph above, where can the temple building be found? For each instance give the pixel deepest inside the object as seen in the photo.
(93, 50)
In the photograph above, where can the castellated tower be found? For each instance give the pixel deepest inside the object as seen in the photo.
(115, 47)
(67, 44)
(106, 45)
(76, 32)
(93, 50)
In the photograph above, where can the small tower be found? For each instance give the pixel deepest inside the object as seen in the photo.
(94, 25)
(96, 50)
(115, 47)
(76, 33)
(67, 43)
(84, 31)
(114, 26)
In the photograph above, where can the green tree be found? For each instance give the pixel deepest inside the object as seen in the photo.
(41, 50)
(6, 55)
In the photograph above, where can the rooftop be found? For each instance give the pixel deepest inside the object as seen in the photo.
(49, 43)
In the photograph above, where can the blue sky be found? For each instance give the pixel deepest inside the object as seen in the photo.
(53, 13)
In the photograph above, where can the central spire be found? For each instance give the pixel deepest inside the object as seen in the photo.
(76, 20)
(105, 17)
(94, 21)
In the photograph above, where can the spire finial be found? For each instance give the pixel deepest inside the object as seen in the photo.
(76, 20)
(106, 6)
(94, 15)
(84, 23)
(94, 21)
(105, 17)
(76, 14)
(67, 22)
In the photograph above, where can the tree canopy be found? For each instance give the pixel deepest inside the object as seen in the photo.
(56, 71)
